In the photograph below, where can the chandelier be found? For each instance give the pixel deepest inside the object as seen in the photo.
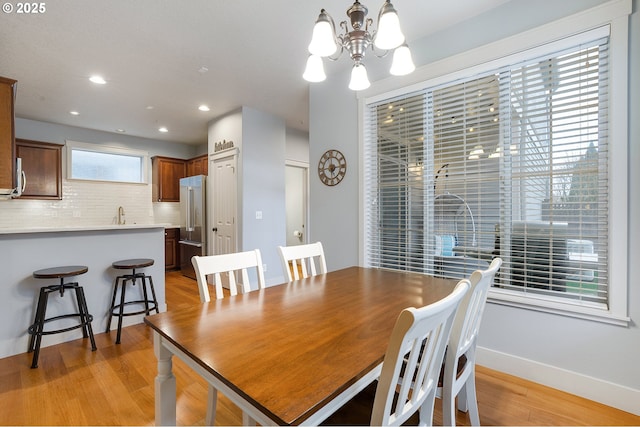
(387, 37)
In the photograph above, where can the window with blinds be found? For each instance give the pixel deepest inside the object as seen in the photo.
(513, 163)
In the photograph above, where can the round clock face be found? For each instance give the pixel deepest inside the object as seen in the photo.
(332, 167)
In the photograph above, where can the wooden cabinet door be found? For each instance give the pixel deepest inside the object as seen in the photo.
(42, 165)
(198, 165)
(7, 133)
(171, 261)
(166, 173)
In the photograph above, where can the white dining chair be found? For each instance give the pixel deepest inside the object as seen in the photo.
(303, 260)
(237, 267)
(416, 349)
(458, 372)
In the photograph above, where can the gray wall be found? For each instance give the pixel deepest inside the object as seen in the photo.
(334, 210)
(263, 188)
(297, 145)
(58, 134)
(572, 354)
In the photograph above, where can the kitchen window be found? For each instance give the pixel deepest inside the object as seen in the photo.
(95, 162)
(514, 161)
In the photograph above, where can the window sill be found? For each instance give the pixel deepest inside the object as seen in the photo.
(556, 306)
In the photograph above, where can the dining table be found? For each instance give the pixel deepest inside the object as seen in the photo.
(290, 354)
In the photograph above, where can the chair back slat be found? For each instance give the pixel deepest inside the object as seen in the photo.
(302, 261)
(235, 265)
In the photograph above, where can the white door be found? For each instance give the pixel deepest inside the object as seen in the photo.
(223, 196)
(296, 203)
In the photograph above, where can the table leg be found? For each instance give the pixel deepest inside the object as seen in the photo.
(165, 385)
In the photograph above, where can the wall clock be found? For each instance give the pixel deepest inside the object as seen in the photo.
(332, 167)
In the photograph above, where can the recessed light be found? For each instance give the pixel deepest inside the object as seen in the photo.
(163, 129)
(203, 108)
(98, 80)
(149, 107)
(74, 113)
(120, 130)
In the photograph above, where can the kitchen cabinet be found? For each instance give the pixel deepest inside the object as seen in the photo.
(198, 165)
(166, 174)
(42, 165)
(7, 133)
(171, 237)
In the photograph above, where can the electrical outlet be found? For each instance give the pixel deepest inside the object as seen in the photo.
(76, 214)
(258, 214)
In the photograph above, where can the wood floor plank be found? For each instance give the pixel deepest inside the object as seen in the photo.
(115, 386)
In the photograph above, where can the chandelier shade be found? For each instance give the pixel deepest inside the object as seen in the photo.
(326, 43)
(359, 78)
(402, 62)
(389, 35)
(323, 41)
(314, 72)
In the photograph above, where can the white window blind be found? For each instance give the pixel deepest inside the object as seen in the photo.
(512, 163)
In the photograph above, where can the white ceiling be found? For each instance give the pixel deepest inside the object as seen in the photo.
(150, 52)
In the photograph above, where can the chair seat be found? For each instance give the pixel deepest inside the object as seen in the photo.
(132, 263)
(462, 362)
(358, 410)
(59, 272)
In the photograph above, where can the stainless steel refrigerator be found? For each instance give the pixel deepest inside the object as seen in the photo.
(193, 218)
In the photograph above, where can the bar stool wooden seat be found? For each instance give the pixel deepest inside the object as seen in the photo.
(147, 303)
(36, 330)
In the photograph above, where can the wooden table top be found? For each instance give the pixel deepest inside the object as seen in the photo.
(290, 349)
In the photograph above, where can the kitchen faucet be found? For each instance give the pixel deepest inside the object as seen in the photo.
(121, 219)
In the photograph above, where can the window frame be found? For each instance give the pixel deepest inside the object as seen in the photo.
(106, 149)
(611, 17)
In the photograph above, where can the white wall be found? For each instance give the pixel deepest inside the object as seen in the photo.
(584, 357)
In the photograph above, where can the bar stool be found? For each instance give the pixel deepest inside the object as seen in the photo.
(121, 281)
(36, 330)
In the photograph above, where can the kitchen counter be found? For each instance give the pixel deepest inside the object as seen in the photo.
(83, 228)
(24, 251)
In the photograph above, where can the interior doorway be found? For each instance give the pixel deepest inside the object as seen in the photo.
(223, 206)
(296, 196)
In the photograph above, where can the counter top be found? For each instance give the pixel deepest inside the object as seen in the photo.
(82, 228)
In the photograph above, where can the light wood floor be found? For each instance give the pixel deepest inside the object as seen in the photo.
(114, 386)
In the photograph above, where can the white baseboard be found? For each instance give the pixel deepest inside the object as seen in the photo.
(607, 393)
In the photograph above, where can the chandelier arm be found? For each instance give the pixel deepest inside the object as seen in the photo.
(378, 52)
(336, 56)
(340, 41)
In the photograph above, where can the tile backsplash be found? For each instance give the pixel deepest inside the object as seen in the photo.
(87, 203)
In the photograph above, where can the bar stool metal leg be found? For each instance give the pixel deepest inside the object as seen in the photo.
(113, 304)
(123, 288)
(38, 327)
(153, 293)
(86, 317)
